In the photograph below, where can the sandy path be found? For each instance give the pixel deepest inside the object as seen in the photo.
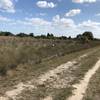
(41, 79)
(82, 86)
(54, 73)
(18, 89)
(48, 98)
(12, 94)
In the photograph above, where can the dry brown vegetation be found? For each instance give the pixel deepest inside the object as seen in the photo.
(24, 58)
(15, 51)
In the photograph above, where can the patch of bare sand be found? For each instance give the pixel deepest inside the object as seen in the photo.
(62, 73)
(54, 73)
(48, 98)
(4, 98)
(12, 94)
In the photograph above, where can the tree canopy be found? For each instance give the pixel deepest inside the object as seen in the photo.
(86, 36)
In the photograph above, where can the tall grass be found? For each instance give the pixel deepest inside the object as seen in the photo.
(15, 51)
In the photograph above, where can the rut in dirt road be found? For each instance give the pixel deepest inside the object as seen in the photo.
(12, 94)
(78, 93)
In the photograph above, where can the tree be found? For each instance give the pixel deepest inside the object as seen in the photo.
(63, 37)
(31, 34)
(88, 35)
(43, 36)
(79, 37)
(22, 35)
(69, 37)
(50, 36)
(6, 34)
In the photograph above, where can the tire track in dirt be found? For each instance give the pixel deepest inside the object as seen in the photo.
(78, 60)
(80, 88)
(12, 94)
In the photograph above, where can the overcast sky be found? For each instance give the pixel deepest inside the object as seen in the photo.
(60, 17)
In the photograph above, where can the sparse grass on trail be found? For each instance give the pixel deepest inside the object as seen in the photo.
(24, 72)
(93, 90)
(63, 93)
(79, 73)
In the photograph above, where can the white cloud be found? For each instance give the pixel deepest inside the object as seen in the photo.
(7, 5)
(4, 19)
(41, 14)
(97, 14)
(56, 18)
(73, 12)
(90, 24)
(63, 22)
(84, 1)
(26, 21)
(37, 21)
(22, 22)
(45, 4)
(56, 21)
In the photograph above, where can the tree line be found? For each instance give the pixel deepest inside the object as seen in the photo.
(86, 36)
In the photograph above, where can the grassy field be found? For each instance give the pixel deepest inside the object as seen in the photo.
(23, 59)
(20, 51)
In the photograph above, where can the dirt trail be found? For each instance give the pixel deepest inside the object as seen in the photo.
(50, 75)
(78, 93)
(18, 89)
(48, 98)
(54, 73)
(12, 94)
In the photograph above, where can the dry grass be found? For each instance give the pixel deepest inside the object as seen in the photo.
(15, 51)
(22, 59)
(93, 90)
(63, 93)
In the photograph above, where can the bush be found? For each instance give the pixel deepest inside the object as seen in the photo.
(3, 71)
(6, 34)
(88, 35)
(22, 35)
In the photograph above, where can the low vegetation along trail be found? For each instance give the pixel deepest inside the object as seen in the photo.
(50, 76)
(82, 86)
(18, 89)
(12, 94)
